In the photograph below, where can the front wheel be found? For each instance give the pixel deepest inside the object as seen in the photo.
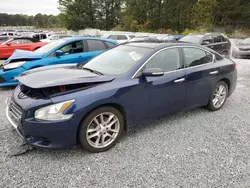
(218, 97)
(101, 129)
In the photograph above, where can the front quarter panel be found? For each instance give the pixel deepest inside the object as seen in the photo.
(104, 94)
(37, 63)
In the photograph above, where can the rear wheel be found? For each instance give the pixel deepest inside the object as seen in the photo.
(101, 129)
(218, 97)
(225, 53)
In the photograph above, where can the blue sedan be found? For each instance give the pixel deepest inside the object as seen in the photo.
(92, 104)
(64, 51)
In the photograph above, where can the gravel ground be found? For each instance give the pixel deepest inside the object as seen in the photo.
(196, 148)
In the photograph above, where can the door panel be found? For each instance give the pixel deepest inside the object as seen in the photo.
(164, 94)
(200, 82)
(201, 76)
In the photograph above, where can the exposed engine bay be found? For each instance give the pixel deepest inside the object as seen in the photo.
(41, 93)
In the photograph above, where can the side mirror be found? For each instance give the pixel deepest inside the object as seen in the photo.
(152, 72)
(59, 53)
(205, 42)
(8, 44)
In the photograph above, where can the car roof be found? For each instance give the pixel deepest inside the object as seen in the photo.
(211, 33)
(72, 39)
(159, 45)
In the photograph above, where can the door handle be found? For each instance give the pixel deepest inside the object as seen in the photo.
(179, 80)
(214, 72)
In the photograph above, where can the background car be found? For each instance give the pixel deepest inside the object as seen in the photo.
(63, 51)
(55, 37)
(121, 38)
(93, 103)
(242, 49)
(216, 41)
(4, 39)
(40, 36)
(23, 43)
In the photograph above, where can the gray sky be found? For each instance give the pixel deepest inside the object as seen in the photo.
(30, 7)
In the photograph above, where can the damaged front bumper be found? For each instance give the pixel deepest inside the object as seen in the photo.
(37, 133)
(8, 78)
(12, 122)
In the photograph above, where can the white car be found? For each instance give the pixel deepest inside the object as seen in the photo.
(121, 38)
(55, 37)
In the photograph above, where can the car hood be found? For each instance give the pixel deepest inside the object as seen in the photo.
(20, 55)
(60, 75)
(243, 46)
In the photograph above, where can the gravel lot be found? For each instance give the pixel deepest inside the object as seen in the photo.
(196, 148)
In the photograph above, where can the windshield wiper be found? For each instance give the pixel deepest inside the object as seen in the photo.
(91, 70)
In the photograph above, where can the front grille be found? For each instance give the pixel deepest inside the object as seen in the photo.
(244, 49)
(15, 113)
(2, 80)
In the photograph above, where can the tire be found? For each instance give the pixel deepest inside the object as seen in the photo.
(212, 105)
(96, 135)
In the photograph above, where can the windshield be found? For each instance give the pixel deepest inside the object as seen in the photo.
(192, 38)
(48, 47)
(245, 41)
(117, 61)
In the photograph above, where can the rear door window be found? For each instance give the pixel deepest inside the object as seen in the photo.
(194, 57)
(95, 45)
(217, 39)
(207, 39)
(114, 37)
(121, 37)
(223, 39)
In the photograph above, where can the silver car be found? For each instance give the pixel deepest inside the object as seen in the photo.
(242, 49)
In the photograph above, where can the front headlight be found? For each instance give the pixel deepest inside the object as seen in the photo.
(13, 65)
(54, 112)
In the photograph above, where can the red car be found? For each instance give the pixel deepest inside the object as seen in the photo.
(21, 43)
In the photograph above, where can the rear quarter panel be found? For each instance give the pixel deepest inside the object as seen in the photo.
(228, 72)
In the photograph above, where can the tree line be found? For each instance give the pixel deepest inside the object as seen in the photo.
(155, 15)
(142, 15)
(39, 20)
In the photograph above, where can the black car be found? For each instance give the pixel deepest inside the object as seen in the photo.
(216, 41)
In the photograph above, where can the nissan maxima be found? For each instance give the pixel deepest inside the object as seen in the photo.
(92, 104)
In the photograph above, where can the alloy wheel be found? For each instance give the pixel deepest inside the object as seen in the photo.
(103, 130)
(219, 96)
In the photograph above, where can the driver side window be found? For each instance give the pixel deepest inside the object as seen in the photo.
(21, 41)
(167, 60)
(73, 48)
